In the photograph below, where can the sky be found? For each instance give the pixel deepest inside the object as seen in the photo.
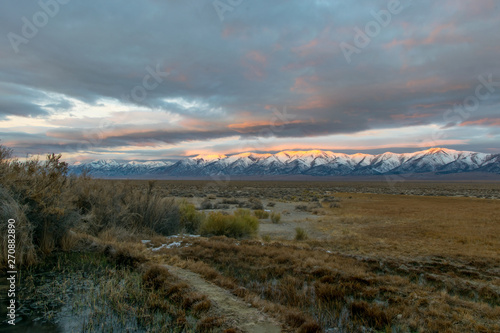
(151, 79)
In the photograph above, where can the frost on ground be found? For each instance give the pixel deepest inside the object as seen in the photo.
(180, 243)
(167, 246)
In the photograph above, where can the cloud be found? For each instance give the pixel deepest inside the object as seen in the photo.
(170, 72)
(485, 122)
(63, 105)
(17, 100)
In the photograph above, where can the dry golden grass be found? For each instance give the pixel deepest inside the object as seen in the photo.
(301, 281)
(414, 225)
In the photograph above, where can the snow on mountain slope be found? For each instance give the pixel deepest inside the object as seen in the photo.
(113, 168)
(312, 162)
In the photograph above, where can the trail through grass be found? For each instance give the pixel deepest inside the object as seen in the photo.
(236, 312)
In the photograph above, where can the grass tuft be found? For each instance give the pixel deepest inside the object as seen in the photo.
(300, 234)
(275, 217)
(241, 224)
(261, 214)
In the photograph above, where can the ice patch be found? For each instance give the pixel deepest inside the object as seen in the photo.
(170, 245)
(177, 236)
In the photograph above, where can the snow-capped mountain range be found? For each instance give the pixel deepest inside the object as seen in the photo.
(312, 162)
(112, 168)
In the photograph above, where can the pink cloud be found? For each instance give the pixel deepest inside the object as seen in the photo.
(248, 126)
(434, 83)
(254, 63)
(314, 102)
(440, 34)
(489, 122)
(431, 106)
(305, 84)
(360, 147)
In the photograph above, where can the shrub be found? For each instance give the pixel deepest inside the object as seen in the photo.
(275, 217)
(308, 208)
(271, 204)
(47, 203)
(261, 214)
(220, 205)
(241, 224)
(302, 208)
(206, 204)
(190, 218)
(118, 204)
(156, 277)
(5, 155)
(231, 201)
(121, 205)
(35, 194)
(252, 203)
(147, 210)
(300, 234)
(124, 256)
(41, 189)
(25, 249)
(330, 199)
(313, 205)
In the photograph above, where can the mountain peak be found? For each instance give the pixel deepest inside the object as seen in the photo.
(304, 162)
(438, 150)
(105, 161)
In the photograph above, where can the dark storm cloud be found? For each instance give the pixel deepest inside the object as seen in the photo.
(20, 101)
(122, 136)
(178, 56)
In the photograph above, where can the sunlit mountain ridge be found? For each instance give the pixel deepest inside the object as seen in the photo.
(311, 162)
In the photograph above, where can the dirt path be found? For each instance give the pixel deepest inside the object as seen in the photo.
(239, 314)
